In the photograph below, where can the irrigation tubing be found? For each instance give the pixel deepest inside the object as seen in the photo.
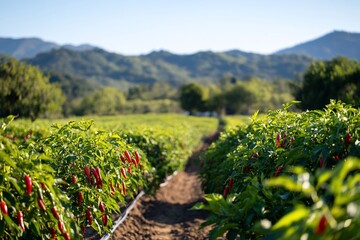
(123, 216)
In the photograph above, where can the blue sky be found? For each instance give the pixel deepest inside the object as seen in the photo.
(184, 26)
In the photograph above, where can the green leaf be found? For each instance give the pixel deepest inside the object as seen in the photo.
(298, 169)
(35, 228)
(198, 206)
(6, 122)
(323, 178)
(6, 158)
(299, 213)
(285, 182)
(221, 230)
(14, 182)
(341, 171)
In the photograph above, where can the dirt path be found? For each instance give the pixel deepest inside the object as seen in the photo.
(166, 214)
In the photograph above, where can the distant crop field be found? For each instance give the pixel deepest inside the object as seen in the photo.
(203, 124)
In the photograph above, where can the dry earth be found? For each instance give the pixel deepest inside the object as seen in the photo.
(167, 214)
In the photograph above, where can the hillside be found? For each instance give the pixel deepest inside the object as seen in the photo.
(30, 47)
(161, 66)
(337, 43)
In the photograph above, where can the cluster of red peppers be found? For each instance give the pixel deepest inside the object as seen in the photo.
(20, 215)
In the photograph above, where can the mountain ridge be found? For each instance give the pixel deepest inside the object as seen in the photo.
(108, 68)
(325, 47)
(29, 47)
(333, 44)
(161, 66)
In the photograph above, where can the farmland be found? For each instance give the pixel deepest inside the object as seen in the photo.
(60, 180)
(272, 176)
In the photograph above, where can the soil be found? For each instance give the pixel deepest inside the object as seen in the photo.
(167, 214)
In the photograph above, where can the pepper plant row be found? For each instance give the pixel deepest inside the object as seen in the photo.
(58, 182)
(286, 176)
(72, 179)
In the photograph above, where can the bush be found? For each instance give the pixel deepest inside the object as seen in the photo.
(271, 147)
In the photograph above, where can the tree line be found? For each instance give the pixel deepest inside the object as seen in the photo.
(27, 92)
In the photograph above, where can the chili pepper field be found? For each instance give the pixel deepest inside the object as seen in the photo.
(284, 175)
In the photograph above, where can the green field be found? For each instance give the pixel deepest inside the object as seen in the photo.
(57, 174)
(205, 125)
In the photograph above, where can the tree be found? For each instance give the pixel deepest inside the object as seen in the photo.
(192, 97)
(26, 92)
(105, 101)
(335, 79)
(238, 99)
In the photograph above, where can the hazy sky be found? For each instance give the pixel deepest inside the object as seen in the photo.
(184, 26)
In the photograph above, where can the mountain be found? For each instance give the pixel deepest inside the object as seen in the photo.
(30, 47)
(118, 70)
(336, 43)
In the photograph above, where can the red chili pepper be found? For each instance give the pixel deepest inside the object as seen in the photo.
(124, 188)
(278, 171)
(321, 227)
(61, 226)
(137, 155)
(101, 207)
(278, 140)
(129, 170)
(83, 229)
(347, 139)
(66, 236)
(104, 219)
(321, 162)
(73, 179)
(80, 197)
(43, 186)
(247, 168)
(112, 189)
(292, 139)
(41, 204)
(255, 155)
(95, 174)
(87, 172)
(20, 218)
(55, 213)
(134, 162)
(89, 216)
(122, 159)
(28, 183)
(123, 173)
(99, 176)
(127, 155)
(53, 233)
(4, 208)
(231, 181)
(226, 191)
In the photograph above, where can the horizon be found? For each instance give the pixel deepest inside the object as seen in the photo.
(181, 28)
(165, 50)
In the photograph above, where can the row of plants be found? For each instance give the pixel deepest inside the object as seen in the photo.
(58, 182)
(70, 180)
(286, 176)
(167, 149)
